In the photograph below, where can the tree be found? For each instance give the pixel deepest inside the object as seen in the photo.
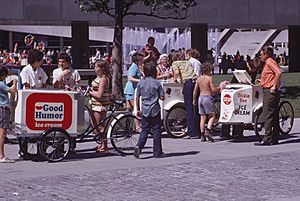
(119, 9)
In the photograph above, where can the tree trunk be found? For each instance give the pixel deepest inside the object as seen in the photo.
(117, 64)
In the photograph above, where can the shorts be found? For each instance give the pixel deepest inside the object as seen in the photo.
(99, 108)
(129, 97)
(4, 117)
(206, 105)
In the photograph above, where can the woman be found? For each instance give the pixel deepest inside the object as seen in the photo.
(164, 70)
(100, 100)
(134, 76)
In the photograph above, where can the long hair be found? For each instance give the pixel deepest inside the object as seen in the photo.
(104, 65)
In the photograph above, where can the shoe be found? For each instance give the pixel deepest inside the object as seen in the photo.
(101, 148)
(6, 160)
(262, 143)
(208, 135)
(203, 138)
(137, 151)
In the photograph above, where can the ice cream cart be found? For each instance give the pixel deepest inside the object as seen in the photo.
(49, 123)
(241, 104)
(173, 110)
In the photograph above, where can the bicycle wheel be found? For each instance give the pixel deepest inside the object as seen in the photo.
(55, 144)
(87, 124)
(286, 117)
(259, 127)
(175, 122)
(125, 134)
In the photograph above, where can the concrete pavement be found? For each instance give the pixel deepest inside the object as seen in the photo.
(191, 171)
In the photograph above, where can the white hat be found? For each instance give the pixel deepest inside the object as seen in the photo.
(162, 56)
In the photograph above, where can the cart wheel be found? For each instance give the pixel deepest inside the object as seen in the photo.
(55, 144)
(259, 127)
(286, 117)
(175, 122)
(28, 146)
(125, 134)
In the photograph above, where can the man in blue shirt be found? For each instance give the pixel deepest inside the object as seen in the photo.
(151, 91)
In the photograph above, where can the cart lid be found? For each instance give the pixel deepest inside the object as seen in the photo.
(242, 76)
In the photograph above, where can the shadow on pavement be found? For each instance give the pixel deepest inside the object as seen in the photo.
(167, 155)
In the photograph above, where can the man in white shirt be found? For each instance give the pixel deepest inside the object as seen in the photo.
(64, 77)
(191, 55)
(32, 75)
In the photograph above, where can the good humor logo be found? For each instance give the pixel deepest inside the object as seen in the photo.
(48, 111)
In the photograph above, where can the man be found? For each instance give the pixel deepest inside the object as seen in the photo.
(150, 52)
(270, 81)
(32, 75)
(64, 76)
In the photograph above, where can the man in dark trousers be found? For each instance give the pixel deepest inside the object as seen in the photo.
(270, 82)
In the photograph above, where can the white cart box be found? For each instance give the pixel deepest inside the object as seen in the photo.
(239, 101)
(39, 110)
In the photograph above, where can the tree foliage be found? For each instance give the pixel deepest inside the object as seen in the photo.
(119, 9)
(164, 9)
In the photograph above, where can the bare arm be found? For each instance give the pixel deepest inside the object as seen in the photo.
(132, 79)
(13, 88)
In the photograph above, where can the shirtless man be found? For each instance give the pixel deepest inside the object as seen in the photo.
(206, 105)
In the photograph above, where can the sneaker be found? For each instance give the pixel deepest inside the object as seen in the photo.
(137, 151)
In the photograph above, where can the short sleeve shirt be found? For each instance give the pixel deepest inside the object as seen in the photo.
(69, 79)
(186, 69)
(150, 90)
(35, 78)
(135, 72)
(270, 69)
(196, 65)
(4, 100)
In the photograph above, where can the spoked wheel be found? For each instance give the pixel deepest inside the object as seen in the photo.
(259, 127)
(87, 124)
(175, 122)
(125, 134)
(286, 117)
(28, 146)
(55, 144)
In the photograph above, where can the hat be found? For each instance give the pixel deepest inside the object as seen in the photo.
(162, 56)
(106, 54)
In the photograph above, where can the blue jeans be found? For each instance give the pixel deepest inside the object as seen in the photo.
(153, 124)
(192, 115)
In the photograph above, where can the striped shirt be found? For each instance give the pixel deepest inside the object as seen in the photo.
(105, 99)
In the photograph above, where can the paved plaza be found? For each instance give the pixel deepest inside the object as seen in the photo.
(191, 170)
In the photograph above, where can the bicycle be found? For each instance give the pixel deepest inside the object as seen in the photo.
(55, 143)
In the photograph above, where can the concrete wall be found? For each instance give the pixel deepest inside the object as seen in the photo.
(220, 13)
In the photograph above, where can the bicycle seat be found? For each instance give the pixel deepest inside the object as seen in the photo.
(118, 101)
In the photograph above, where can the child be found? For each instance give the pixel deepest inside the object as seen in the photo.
(205, 103)
(151, 91)
(5, 111)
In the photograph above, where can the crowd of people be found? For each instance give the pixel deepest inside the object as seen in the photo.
(148, 66)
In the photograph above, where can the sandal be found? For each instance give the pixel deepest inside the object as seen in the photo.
(6, 160)
(101, 149)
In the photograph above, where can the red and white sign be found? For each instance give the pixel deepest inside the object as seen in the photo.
(44, 111)
(227, 99)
